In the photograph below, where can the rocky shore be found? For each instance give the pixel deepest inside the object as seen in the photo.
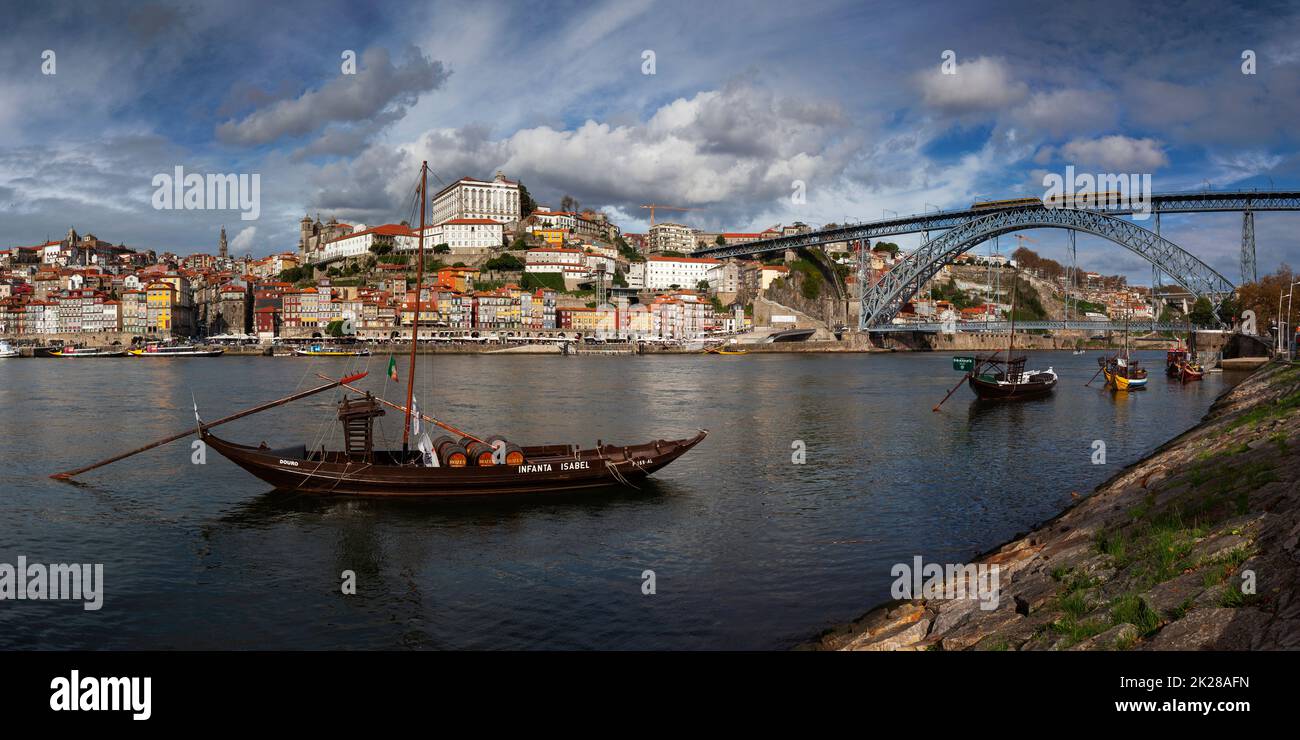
(1194, 547)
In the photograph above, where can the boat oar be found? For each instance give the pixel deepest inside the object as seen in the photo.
(67, 474)
(954, 390)
(1094, 376)
(397, 407)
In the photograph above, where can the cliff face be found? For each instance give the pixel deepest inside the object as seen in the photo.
(1195, 547)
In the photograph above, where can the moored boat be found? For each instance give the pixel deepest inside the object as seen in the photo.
(319, 350)
(998, 380)
(1122, 373)
(7, 351)
(86, 352)
(175, 350)
(1007, 380)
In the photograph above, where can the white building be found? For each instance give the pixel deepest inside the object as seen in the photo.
(670, 237)
(465, 234)
(497, 199)
(359, 242)
(662, 273)
(555, 255)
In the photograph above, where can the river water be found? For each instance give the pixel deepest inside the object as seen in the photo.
(749, 549)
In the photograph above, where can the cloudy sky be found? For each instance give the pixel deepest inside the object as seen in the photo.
(744, 99)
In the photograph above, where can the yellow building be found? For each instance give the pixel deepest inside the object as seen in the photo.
(554, 237)
(159, 298)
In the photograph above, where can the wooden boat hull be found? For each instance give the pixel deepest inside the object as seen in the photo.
(1121, 383)
(196, 353)
(86, 355)
(991, 391)
(549, 469)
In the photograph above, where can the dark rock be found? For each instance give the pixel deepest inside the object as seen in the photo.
(1210, 629)
(1168, 598)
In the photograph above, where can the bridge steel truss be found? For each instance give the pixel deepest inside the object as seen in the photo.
(1201, 202)
(883, 301)
(960, 327)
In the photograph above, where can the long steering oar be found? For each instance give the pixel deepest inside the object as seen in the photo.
(398, 407)
(954, 390)
(68, 474)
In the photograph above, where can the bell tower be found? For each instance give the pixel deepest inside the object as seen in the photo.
(221, 244)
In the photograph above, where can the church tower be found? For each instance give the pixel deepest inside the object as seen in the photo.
(221, 244)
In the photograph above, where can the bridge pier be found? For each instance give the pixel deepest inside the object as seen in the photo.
(1248, 274)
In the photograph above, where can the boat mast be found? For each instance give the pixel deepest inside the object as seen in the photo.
(415, 319)
(1011, 342)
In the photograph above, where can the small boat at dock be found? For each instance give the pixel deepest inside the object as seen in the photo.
(175, 350)
(318, 350)
(1180, 364)
(7, 351)
(87, 352)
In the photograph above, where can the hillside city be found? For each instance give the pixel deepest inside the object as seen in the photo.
(498, 264)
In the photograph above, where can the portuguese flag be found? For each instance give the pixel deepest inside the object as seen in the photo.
(392, 367)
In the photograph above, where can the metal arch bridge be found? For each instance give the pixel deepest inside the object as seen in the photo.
(936, 327)
(1246, 201)
(884, 300)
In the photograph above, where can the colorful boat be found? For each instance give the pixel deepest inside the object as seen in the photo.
(317, 350)
(175, 350)
(1180, 364)
(725, 351)
(1123, 374)
(86, 352)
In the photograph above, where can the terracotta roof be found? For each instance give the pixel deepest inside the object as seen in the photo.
(382, 230)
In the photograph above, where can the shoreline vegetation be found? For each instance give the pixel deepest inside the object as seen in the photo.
(1193, 547)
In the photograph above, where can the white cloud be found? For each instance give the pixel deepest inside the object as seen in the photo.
(982, 84)
(243, 241)
(378, 89)
(1116, 153)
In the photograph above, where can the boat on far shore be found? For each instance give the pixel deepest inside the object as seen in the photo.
(87, 352)
(175, 350)
(319, 350)
(7, 351)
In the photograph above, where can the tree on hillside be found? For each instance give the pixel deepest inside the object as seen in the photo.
(526, 203)
(1262, 295)
(1202, 313)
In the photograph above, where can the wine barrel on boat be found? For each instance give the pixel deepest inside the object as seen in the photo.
(450, 452)
(514, 454)
(480, 454)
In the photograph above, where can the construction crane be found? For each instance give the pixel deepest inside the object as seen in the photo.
(653, 206)
(1021, 239)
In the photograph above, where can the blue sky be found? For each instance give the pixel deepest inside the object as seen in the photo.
(746, 98)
